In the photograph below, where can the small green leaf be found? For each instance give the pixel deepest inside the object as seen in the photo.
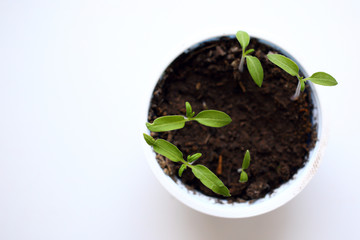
(243, 177)
(210, 180)
(213, 118)
(168, 150)
(246, 161)
(248, 51)
(243, 38)
(181, 169)
(255, 69)
(284, 63)
(149, 140)
(302, 83)
(166, 123)
(322, 78)
(194, 157)
(189, 110)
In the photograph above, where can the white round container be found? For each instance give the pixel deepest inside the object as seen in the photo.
(280, 196)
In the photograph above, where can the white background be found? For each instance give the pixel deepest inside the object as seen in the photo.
(75, 77)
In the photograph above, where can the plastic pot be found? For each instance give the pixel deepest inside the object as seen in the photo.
(280, 196)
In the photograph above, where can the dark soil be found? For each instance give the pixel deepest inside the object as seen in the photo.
(277, 131)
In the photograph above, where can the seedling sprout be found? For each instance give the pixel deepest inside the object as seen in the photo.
(207, 177)
(292, 68)
(245, 165)
(253, 63)
(210, 118)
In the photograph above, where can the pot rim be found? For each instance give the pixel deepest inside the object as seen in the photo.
(280, 196)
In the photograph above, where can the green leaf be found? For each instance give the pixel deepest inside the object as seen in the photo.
(181, 169)
(248, 51)
(149, 140)
(194, 157)
(322, 78)
(243, 39)
(302, 83)
(243, 177)
(189, 110)
(246, 161)
(166, 123)
(168, 150)
(213, 118)
(284, 63)
(210, 180)
(255, 69)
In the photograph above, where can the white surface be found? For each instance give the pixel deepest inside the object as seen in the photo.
(73, 76)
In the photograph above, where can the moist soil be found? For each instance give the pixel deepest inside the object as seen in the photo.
(277, 131)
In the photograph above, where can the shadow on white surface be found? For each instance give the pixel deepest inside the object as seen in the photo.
(306, 211)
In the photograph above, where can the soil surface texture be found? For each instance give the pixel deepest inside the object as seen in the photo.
(277, 131)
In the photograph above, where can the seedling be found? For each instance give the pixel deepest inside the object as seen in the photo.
(210, 118)
(253, 63)
(245, 165)
(292, 68)
(207, 177)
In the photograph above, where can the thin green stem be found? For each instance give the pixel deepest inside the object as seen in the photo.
(298, 88)
(186, 163)
(242, 61)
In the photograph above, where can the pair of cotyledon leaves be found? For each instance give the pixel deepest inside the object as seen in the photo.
(292, 68)
(210, 118)
(207, 177)
(253, 63)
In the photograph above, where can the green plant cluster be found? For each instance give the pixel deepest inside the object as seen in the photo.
(214, 118)
(210, 118)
